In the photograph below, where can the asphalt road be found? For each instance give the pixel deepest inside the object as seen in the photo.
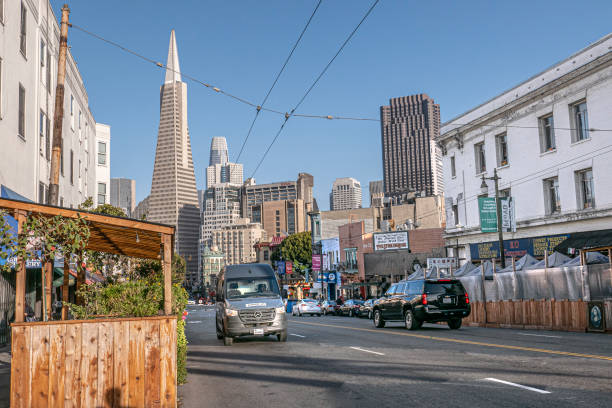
(345, 362)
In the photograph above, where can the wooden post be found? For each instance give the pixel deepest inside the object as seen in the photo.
(48, 288)
(58, 117)
(514, 277)
(20, 278)
(167, 269)
(66, 286)
(546, 258)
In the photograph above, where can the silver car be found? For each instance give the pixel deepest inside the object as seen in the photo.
(306, 306)
(249, 303)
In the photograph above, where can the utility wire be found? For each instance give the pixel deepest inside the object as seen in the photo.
(276, 111)
(260, 106)
(288, 115)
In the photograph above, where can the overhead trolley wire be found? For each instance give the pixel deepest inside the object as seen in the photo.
(288, 115)
(262, 104)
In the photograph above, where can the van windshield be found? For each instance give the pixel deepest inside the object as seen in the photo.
(252, 287)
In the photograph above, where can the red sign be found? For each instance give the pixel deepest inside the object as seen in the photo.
(316, 262)
(289, 267)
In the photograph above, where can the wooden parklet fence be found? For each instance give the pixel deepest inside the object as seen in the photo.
(128, 362)
(565, 315)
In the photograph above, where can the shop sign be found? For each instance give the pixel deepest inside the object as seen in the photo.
(385, 241)
(535, 247)
(441, 262)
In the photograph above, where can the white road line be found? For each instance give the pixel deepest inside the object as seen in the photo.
(367, 351)
(297, 335)
(540, 335)
(195, 321)
(518, 385)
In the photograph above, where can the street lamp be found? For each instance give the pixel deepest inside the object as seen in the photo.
(485, 190)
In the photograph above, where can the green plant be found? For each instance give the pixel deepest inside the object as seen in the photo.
(181, 352)
(297, 248)
(8, 242)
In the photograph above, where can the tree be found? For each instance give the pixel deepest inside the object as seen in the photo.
(297, 248)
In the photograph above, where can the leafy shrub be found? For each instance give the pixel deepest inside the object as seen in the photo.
(181, 352)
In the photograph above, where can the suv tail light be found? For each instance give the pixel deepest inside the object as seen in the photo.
(467, 299)
(424, 298)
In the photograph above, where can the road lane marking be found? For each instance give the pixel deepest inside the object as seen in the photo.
(540, 335)
(476, 343)
(518, 385)
(367, 351)
(297, 335)
(195, 321)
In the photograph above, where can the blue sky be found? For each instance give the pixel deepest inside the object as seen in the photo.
(461, 53)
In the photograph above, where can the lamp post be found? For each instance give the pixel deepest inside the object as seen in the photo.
(459, 228)
(485, 189)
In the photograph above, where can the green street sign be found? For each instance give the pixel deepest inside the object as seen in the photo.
(488, 214)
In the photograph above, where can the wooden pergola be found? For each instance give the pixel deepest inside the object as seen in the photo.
(138, 354)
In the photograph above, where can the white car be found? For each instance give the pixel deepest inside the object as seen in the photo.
(306, 306)
(191, 302)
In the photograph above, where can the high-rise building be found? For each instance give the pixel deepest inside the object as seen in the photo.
(237, 241)
(282, 218)
(123, 194)
(141, 211)
(28, 70)
(411, 158)
(377, 193)
(345, 194)
(220, 170)
(174, 197)
(254, 195)
(102, 186)
(218, 151)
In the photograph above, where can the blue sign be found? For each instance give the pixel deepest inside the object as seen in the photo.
(280, 265)
(517, 248)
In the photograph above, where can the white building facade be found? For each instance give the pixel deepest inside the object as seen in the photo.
(29, 49)
(550, 141)
(102, 164)
(345, 194)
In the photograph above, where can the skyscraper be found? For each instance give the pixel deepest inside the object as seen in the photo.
(411, 158)
(174, 197)
(345, 194)
(123, 194)
(218, 151)
(220, 170)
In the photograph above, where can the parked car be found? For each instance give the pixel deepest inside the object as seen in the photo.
(329, 307)
(306, 306)
(350, 307)
(418, 301)
(365, 310)
(191, 301)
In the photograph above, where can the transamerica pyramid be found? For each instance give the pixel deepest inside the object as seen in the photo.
(174, 196)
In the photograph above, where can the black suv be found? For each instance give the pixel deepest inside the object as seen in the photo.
(418, 301)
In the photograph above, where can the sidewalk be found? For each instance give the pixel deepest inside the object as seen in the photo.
(5, 376)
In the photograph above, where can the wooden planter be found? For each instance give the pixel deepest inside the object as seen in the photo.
(124, 362)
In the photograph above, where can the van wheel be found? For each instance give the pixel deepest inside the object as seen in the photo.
(378, 319)
(454, 324)
(228, 341)
(411, 322)
(282, 336)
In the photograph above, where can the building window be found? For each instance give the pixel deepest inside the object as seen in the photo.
(456, 214)
(22, 30)
(41, 125)
(580, 121)
(48, 71)
(2, 11)
(453, 169)
(501, 144)
(62, 158)
(101, 193)
(61, 201)
(266, 255)
(586, 195)
(48, 138)
(102, 153)
(72, 112)
(41, 193)
(21, 122)
(551, 196)
(479, 156)
(547, 134)
(505, 193)
(71, 167)
(43, 61)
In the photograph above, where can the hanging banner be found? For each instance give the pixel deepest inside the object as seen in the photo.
(316, 262)
(288, 267)
(280, 266)
(508, 217)
(488, 214)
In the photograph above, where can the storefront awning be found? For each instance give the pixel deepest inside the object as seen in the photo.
(590, 240)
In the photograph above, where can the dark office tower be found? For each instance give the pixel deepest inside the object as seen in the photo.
(174, 197)
(410, 156)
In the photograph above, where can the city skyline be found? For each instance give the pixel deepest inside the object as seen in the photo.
(347, 89)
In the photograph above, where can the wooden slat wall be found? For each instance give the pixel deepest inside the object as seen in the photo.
(110, 363)
(565, 315)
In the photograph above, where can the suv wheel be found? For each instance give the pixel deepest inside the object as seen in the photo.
(411, 322)
(454, 324)
(282, 336)
(219, 335)
(378, 319)
(228, 341)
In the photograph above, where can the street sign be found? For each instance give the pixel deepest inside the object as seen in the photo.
(385, 241)
(441, 262)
